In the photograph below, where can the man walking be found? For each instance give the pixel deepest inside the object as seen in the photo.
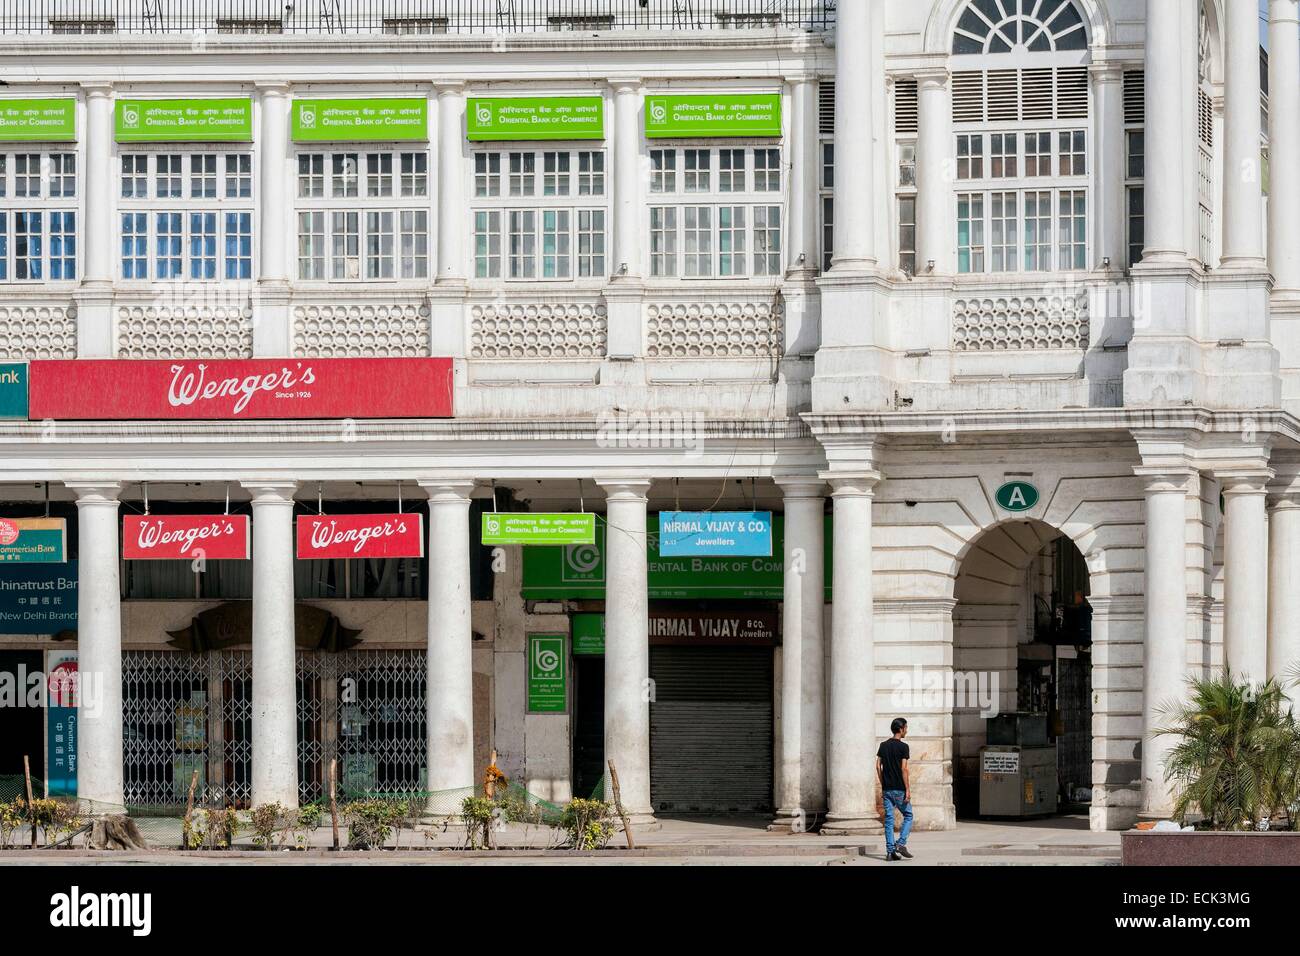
(896, 788)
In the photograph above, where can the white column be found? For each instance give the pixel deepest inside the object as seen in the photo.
(934, 196)
(1245, 575)
(99, 648)
(802, 748)
(627, 179)
(451, 180)
(1284, 144)
(1164, 661)
(805, 171)
(855, 194)
(1110, 157)
(628, 692)
(1284, 590)
(1243, 197)
(449, 698)
(1164, 188)
(851, 737)
(275, 678)
(98, 181)
(273, 196)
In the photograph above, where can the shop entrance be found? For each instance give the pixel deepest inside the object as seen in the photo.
(22, 726)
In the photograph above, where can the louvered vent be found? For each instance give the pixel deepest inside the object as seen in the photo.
(826, 105)
(1004, 96)
(1205, 118)
(905, 106)
(1135, 106)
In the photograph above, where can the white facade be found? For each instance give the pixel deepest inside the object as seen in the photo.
(980, 322)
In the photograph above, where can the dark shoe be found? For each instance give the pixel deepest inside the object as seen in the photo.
(891, 858)
(903, 852)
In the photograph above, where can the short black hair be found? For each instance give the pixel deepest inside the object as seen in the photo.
(898, 724)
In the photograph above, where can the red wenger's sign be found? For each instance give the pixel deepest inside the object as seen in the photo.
(215, 389)
(164, 537)
(361, 536)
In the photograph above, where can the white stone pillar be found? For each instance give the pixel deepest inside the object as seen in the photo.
(94, 297)
(1109, 159)
(935, 224)
(1245, 575)
(449, 697)
(851, 736)
(1284, 590)
(805, 171)
(1164, 660)
(802, 747)
(451, 181)
(275, 655)
(855, 182)
(274, 196)
(1164, 192)
(1284, 145)
(1243, 197)
(627, 179)
(99, 648)
(628, 692)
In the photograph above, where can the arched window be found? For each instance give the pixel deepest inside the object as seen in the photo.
(1001, 26)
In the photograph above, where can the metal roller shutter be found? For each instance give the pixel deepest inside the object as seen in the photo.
(711, 729)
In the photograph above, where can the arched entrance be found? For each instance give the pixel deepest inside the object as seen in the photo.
(1022, 643)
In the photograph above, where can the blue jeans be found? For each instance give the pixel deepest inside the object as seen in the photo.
(896, 798)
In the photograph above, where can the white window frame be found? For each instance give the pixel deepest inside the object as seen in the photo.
(43, 204)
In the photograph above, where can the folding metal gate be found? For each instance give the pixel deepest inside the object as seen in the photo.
(185, 712)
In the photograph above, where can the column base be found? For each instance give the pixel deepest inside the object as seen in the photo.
(797, 821)
(639, 822)
(852, 826)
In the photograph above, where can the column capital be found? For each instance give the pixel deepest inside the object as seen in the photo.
(448, 87)
(801, 486)
(1244, 482)
(625, 84)
(447, 489)
(625, 489)
(1106, 71)
(931, 77)
(95, 492)
(98, 89)
(273, 88)
(270, 491)
(859, 485)
(1164, 479)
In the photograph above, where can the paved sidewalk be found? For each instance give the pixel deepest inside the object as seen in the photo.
(678, 841)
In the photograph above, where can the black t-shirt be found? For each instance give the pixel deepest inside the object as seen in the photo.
(892, 753)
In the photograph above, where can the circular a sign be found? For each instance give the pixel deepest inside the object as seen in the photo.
(1016, 496)
(8, 531)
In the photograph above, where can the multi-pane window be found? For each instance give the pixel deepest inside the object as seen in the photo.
(560, 234)
(714, 213)
(38, 216)
(906, 205)
(1022, 200)
(827, 197)
(1134, 193)
(363, 215)
(186, 215)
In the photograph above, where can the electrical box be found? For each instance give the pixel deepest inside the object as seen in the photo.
(1017, 781)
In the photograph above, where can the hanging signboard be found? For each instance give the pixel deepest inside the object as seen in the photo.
(521, 118)
(587, 634)
(547, 674)
(13, 390)
(34, 540)
(500, 527)
(578, 571)
(38, 598)
(38, 120)
(360, 120)
(361, 536)
(720, 628)
(718, 114)
(61, 723)
(726, 533)
(185, 537)
(222, 389)
(184, 121)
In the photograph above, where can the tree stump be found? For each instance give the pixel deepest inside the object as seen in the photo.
(116, 832)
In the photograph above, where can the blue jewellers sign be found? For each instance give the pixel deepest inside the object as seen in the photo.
(735, 534)
(38, 598)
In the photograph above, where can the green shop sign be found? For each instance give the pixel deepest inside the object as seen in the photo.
(184, 121)
(355, 121)
(13, 390)
(1016, 496)
(713, 114)
(588, 632)
(535, 118)
(508, 527)
(38, 121)
(578, 571)
(547, 674)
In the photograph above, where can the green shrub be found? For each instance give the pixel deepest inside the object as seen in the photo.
(588, 823)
